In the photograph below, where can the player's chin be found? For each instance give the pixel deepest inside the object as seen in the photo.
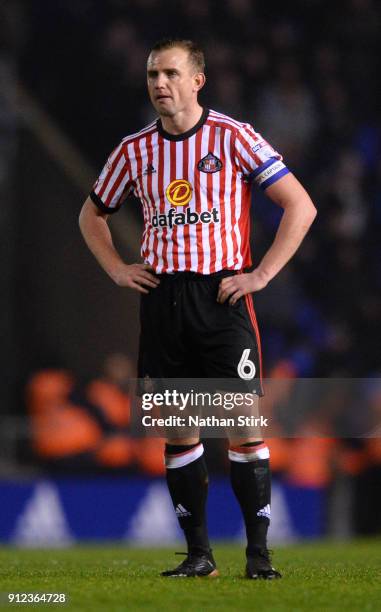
(164, 109)
(165, 112)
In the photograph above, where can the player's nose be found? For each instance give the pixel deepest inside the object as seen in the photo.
(160, 81)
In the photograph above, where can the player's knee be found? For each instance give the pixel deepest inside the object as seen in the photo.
(182, 441)
(242, 441)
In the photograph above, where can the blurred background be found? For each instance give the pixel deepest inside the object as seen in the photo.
(72, 85)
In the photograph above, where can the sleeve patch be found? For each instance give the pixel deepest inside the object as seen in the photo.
(265, 151)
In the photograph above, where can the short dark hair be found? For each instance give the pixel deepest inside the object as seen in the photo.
(196, 55)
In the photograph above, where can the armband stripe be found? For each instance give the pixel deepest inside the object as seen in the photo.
(269, 172)
(275, 177)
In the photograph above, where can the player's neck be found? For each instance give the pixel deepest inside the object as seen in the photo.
(182, 121)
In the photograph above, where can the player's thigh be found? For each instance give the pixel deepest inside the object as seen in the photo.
(232, 348)
(161, 349)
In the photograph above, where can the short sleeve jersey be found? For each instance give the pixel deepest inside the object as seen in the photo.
(195, 191)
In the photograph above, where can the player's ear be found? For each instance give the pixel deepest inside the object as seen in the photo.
(199, 81)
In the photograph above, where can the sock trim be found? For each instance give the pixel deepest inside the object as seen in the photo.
(251, 444)
(181, 459)
(247, 454)
(180, 448)
(248, 449)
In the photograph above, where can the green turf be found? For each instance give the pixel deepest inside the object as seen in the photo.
(317, 577)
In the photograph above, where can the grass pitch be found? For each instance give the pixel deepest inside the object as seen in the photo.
(317, 577)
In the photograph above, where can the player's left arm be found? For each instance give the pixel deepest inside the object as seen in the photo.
(299, 213)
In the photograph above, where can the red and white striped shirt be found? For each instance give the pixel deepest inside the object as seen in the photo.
(195, 190)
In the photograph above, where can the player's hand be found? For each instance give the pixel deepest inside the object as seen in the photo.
(233, 287)
(137, 276)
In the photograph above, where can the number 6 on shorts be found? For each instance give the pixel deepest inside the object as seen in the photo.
(246, 368)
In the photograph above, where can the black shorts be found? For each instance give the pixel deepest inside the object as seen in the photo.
(186, 333)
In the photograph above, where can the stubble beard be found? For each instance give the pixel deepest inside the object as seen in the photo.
(165, 113)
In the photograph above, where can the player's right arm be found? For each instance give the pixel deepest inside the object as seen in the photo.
(108, 194)
(97, 235)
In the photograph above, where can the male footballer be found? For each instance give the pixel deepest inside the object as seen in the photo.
(193, 171)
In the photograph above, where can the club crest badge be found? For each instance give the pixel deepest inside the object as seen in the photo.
(209, 164)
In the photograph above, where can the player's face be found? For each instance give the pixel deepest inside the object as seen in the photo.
(172, 81)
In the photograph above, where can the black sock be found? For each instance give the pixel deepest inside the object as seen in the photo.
(188, 487)
(251, 482)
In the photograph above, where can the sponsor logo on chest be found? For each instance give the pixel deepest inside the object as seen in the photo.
(188, 217)
(179, 193)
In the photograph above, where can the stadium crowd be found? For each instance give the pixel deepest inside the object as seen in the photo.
(90, 426)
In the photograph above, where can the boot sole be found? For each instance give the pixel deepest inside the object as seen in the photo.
(214, 574)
